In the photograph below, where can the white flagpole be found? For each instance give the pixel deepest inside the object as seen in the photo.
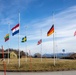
(9, 40)
(54, 48)
(26, 53)
(53, 42)
(26, 45)
(19, 40)
(41, 45)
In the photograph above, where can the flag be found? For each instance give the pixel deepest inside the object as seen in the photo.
(75, 33)
(50, 31)
(6, 37)
(15, 30)
(24, 39)
(39, 42)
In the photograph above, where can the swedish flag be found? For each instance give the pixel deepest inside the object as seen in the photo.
(24, 39)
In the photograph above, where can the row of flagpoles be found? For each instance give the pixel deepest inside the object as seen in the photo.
(16, 29)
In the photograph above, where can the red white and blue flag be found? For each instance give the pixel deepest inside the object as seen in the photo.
(39, 42)
(15, 30)
(75, 33)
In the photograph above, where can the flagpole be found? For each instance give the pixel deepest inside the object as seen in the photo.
(9, 40)
(53, 42)
(26, 52)
(19, 40)
(30, 60)
(56, 52)
(26, 45)
(41, 45)
(54, 48)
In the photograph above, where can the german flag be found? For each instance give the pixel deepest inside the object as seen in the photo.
(50, 31)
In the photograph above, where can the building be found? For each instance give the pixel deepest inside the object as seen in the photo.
(11, 55)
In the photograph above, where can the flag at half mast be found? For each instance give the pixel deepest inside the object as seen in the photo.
(15, 30)
(50, 31)
(6, 37)
(39, 42)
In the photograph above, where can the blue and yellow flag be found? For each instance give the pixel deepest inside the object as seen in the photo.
(24, 39)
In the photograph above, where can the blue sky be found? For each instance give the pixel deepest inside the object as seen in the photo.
(37, 15)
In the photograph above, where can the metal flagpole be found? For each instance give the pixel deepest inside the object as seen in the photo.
(54, 48)
(9, 40)
(26, 51)
(56, 52)
(30, 60)
(26, 45)
(19, 40)
(53, 42)
(41, 45)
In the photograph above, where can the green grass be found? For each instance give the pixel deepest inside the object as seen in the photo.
(37, 65)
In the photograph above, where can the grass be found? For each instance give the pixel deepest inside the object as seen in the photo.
(37, 65)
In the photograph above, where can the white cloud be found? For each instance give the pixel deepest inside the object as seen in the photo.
(64, 28)
(65, 25)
